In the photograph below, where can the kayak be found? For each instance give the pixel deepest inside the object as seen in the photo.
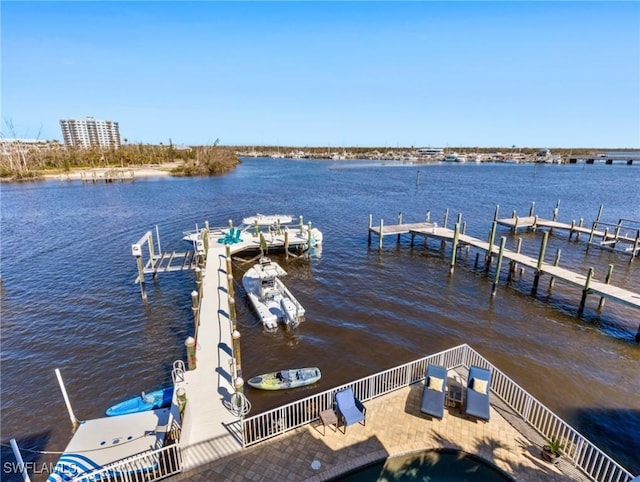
(146, 401)
(283, 379)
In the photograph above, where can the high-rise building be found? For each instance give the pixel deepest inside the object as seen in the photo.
(90, 132)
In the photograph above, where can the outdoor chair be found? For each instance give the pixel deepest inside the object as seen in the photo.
(350, 409)
(477, 393)
(433, 394)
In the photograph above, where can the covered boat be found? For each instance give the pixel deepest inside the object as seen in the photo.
(146, 401)
(283, 379)
(271, 299)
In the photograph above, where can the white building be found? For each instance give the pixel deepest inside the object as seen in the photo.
(90, 132)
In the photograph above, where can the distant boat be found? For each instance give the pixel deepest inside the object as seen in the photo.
(161, 398)
(454, 157)
(283, 379)
(271, 299)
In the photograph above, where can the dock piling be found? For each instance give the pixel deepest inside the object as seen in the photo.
(496, 277)
(194, 308)
(399, 222)
(513, 265)
(190, 343)
(532, 209)
(556, 261)
(370, 226)
(454, 247)
(543, 248)
(585, 292)
(380, 236)
(235, 338)
(607, 279)
(489, 255)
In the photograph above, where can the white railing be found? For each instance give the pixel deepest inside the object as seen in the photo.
(581, 452)
(147, 466)
(288, 417)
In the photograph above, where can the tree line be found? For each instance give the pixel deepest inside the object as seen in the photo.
(22, 161)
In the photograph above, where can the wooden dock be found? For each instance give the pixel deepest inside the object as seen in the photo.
(623, 236)
(588, 282)
(211, 386)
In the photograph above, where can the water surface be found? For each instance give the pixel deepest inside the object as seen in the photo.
(69, 301)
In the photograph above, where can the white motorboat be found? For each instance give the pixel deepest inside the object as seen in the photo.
(271, 299)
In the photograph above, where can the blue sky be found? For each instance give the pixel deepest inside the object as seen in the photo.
(445, 74)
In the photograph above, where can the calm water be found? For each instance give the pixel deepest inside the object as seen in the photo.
(69, 301)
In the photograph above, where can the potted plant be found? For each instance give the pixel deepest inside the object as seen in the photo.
(552, 451)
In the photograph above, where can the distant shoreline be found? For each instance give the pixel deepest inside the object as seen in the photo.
(103, 173)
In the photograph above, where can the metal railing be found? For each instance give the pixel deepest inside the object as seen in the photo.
(293, 415)
(578, 449)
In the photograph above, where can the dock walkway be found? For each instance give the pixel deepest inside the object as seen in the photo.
(630, 243)
(209, 429)
(588, 283)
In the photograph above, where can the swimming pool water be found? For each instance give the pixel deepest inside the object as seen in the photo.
(441, 465)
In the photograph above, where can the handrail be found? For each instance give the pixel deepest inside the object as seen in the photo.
(578, 449)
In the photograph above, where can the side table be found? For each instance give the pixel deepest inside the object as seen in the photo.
(328, 417)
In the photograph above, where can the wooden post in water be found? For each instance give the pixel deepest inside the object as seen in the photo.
(585, 292)
(593, 230)
(301, 224)
(555, 215)
(446, 218)
(235, 338)
(495, 213)
(532, 208)
(454, 247)
(580, 224)
(256, 229)
(286, 243)
(428, 216)
(380, 235)
(190, 343)
(599, 214)
(573, 226)
(606, 280)
(555, 263)
(370, 226)
(496, 277)
(199, 280)
(513, 265)
(399, 223)
(543, 248)
(194, 308)
(489, 255)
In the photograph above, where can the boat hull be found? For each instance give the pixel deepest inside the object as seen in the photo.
(161, 398)
(275, 303)
(285, 379)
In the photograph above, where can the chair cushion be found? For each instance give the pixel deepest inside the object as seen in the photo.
(435, 383)
(478, 385)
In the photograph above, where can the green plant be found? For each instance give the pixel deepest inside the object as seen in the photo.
(554, 445)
